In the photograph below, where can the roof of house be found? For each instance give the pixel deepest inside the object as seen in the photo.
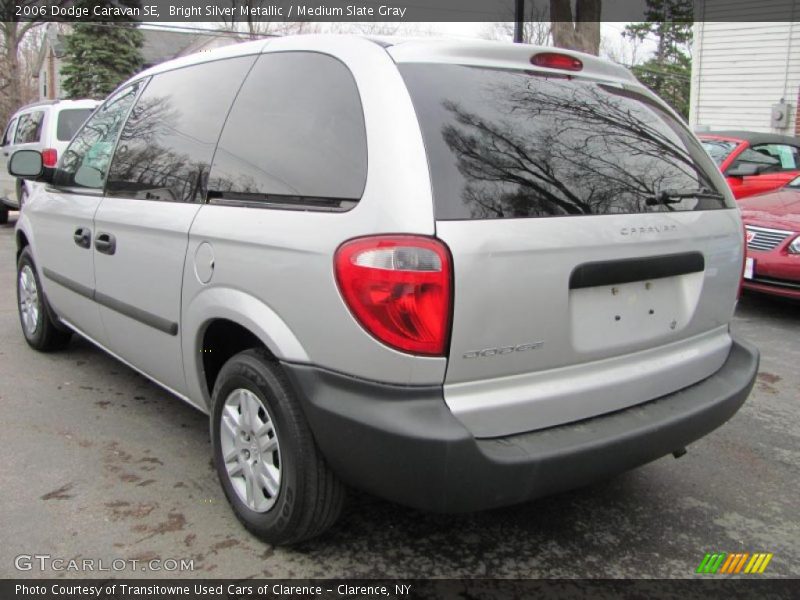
(158, 45)
(163, 44)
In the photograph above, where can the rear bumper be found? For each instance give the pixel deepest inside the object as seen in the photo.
(774, 287)
(404, 444)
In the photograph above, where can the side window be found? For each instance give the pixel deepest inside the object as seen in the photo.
(85, 162)
(785, 155)
(29, 130)
(771, 158)
(295, 136)
(8, 134)
(165, 148)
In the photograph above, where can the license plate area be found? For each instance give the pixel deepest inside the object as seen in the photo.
(629, 314)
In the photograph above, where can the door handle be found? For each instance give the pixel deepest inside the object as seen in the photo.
(105, 243)
(82, 237)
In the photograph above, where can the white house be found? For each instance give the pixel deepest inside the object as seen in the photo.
(746, 74)
(159, 45)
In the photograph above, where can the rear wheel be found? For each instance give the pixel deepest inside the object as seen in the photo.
(40, 331)
(270, 468)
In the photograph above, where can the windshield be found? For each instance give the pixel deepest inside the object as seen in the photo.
(719, 150)
(69, 121)
(509, 143)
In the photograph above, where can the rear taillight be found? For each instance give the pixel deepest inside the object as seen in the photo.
(556, 60)
(49, 157)
(398, 287)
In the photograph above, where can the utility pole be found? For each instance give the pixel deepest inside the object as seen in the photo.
(519, 19)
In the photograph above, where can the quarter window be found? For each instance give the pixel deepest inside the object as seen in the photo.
(165, 148)
(29, 130)
(295, 136)
(69, 121)
(85, 162)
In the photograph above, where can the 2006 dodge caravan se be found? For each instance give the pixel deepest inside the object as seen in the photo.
(456, 275)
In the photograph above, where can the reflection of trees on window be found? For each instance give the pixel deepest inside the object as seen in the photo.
(550, 147)
(144, 167)
(167, 144)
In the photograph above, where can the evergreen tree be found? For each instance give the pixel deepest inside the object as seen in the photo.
(100, 56)
(668, 73)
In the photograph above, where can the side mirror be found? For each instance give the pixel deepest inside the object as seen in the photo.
(26, 164)
(743, 170)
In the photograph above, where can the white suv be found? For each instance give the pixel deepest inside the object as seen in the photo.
(44, 126)
(457, 275)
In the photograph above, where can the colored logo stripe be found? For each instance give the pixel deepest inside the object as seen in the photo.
(730, 564)
(711, 562)
(758, 563)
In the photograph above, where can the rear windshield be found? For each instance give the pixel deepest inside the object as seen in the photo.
(509, 143)
(69, 121)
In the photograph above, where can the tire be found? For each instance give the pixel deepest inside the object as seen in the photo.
(3, 215)
(299, 497)
(39, 329)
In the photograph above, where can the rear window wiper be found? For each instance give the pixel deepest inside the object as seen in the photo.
(676, 196)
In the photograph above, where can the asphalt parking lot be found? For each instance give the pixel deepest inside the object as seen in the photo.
(101, 463)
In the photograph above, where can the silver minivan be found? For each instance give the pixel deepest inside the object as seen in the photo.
(454, 274)
(46, 126)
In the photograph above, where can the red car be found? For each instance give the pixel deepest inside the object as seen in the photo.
(772, 222)
(754, 163)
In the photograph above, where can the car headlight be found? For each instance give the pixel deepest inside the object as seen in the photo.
(794, 247)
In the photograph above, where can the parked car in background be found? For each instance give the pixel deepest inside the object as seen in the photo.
(457, 275)
(754, 163)
(44, 126)
(772, 222)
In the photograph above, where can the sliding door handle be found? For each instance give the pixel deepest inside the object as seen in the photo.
(82, 237)
(105, 243)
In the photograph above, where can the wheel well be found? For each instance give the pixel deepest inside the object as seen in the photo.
(22, 241)
(223, 339)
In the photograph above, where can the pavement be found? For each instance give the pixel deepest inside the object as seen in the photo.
(101, 464)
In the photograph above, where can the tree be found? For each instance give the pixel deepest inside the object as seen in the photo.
(100, 56)
(255, 26)
(668, 72)
(536, 29)
(582, 34)
(13, 35)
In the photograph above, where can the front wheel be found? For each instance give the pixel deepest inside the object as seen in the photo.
(40, 331)
(269, 465)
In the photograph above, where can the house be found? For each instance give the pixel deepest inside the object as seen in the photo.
(159, 45)
(746, 72)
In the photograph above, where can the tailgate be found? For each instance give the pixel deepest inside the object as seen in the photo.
(561, 319)
(596, 249)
